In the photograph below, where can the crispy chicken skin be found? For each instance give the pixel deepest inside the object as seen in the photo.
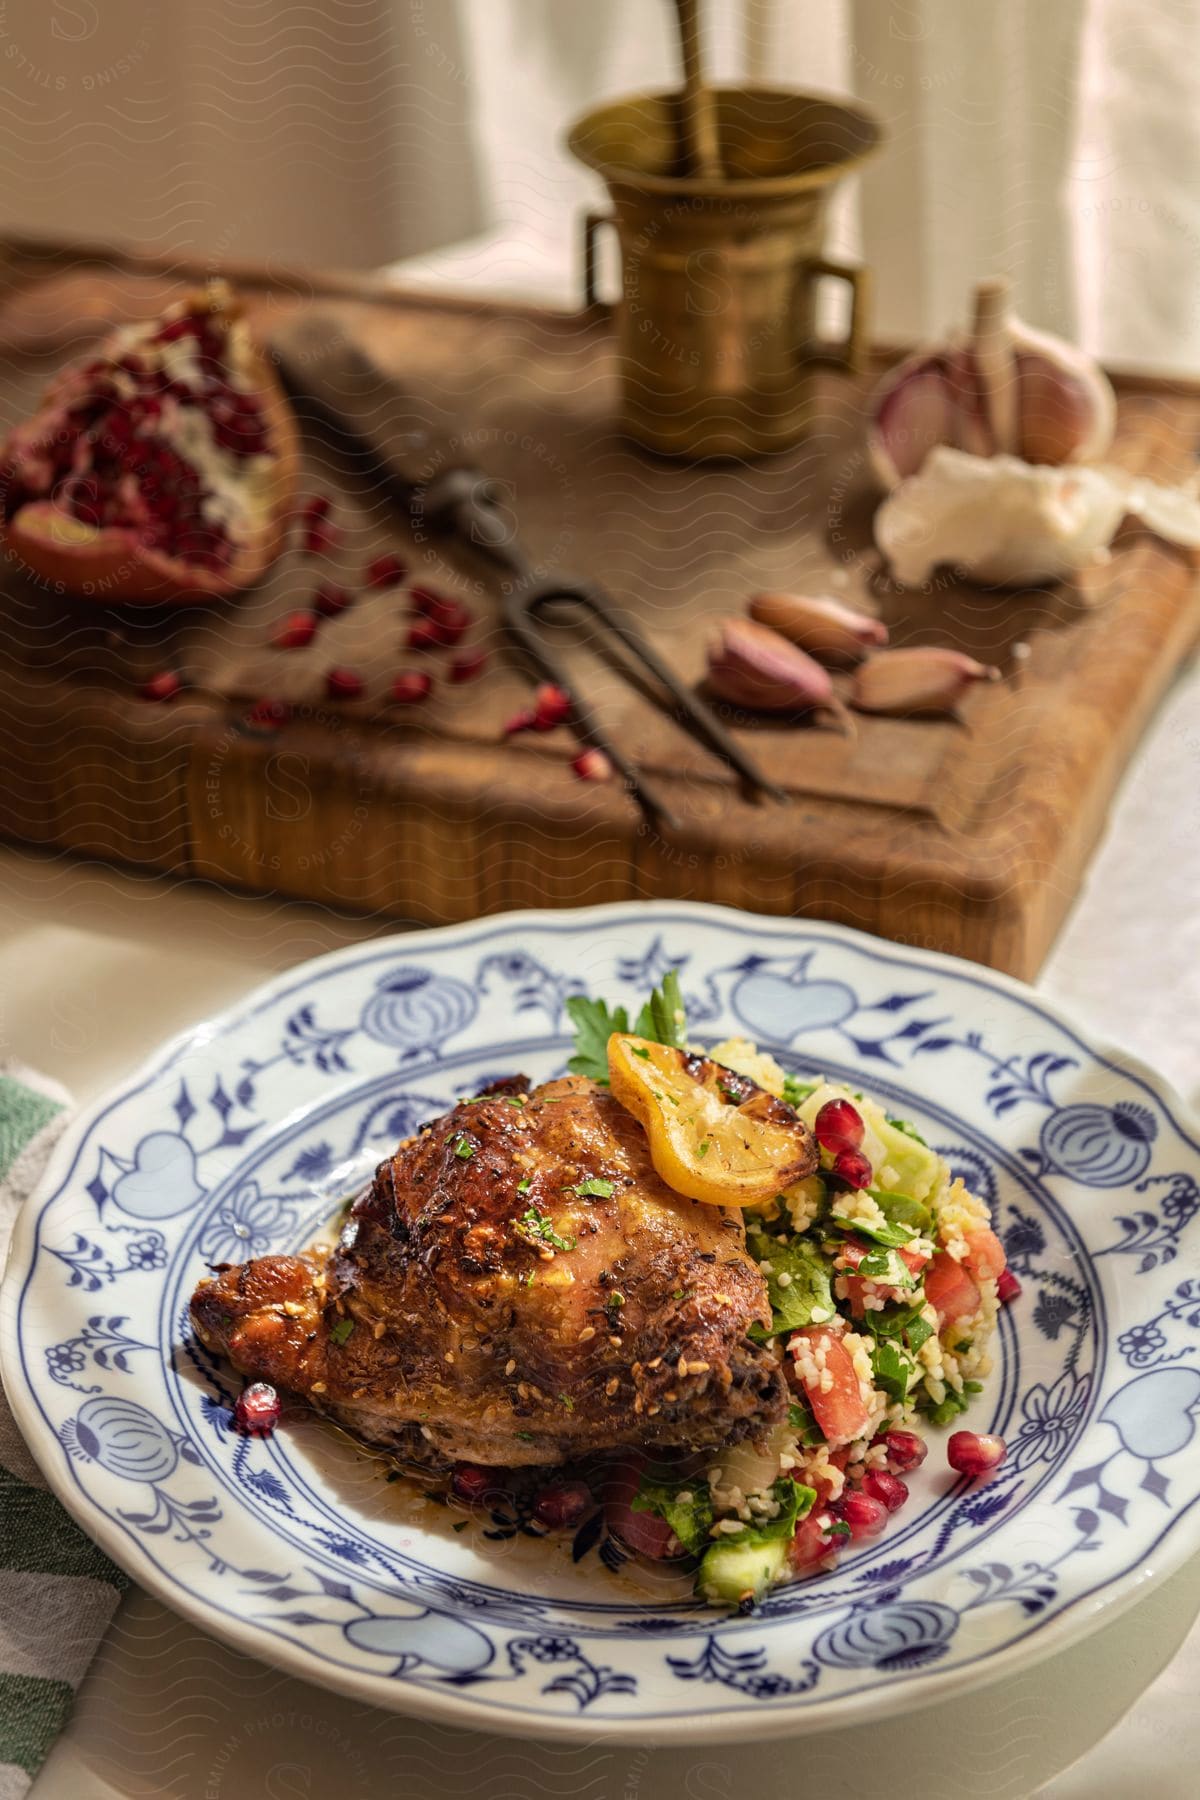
(476, 1335)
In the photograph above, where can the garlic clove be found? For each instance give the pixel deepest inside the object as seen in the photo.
(997, 520)
(921, 681)
(828, 629)
(752, 666)
(1002, 389)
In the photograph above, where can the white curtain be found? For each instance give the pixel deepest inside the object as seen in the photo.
(1055, 140)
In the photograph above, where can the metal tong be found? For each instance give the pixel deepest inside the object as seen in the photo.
(389, 446)
(461, 503)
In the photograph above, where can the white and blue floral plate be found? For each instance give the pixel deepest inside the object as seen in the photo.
(240, 1138)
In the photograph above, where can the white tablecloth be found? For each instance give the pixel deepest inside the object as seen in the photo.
(96, 968)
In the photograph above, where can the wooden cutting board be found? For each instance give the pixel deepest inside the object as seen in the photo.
(969, 836)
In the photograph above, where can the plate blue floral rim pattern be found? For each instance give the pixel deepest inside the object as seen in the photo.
(239, 1138)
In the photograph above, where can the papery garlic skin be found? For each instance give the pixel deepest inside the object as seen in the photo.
(1002, 389)
(996, 519)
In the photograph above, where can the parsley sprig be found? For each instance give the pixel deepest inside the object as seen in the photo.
(661, 1020)
(536, 1228)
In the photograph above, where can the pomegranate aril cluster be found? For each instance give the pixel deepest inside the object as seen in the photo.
(112, 461)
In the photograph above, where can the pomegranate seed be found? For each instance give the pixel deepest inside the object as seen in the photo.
(888, 1488)
(469, 666)
(449, 624)
(838, 1126)
(1007, 1287)
(163, 686)
(344, 684)
(865, 1515)
(329, 600)
(562, 1504)
(316, 507)
(424, 600)
(320, 535)
(269, 715)
(975, 1453)
(425, 635)
(410, 686)
(472, 1483)
(905, 1451)
(297, 630)
(522, 721)
(592, 765)
(551, 707)
(853, 1167)
(257, 1408)
(385, 571)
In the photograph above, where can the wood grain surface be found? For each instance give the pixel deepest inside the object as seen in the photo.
(967, 835)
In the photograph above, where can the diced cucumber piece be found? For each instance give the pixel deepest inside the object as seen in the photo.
(916, 1168)
(733, 1570)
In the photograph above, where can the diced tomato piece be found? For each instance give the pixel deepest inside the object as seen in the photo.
(645, 1532)
(810, 1545)
(839, 1409)
(913, 1260)
(985, 1254)
(950, 1289)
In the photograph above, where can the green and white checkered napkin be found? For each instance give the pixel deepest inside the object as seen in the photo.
(57, 1590)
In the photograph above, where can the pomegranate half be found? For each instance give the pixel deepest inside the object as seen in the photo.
(163, 468)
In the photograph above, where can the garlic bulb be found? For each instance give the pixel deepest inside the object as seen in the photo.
(997, 520)
(1004, 389)
(828, 629)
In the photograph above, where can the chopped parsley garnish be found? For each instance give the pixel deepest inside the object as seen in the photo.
(954, 1403)
(885, 1266)
(702, 1148)
(690, 1519)
(661, 1020)
(536, 1228)
(464, 1149)
(341, 1331)
(524, 1185)
(907, 1323)
(525, 1437)
(640, 1050)
(592, 1189)
(806, 1297)
(794, 1500)
(567, 1402)
(892, 1369)
(795, 1091)
(839, 1529)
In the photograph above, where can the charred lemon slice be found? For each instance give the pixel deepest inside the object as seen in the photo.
(714, 1135)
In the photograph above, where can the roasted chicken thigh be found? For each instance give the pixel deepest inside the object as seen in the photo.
(517, 1286)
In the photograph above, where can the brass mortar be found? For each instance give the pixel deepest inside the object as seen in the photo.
(716, 320)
